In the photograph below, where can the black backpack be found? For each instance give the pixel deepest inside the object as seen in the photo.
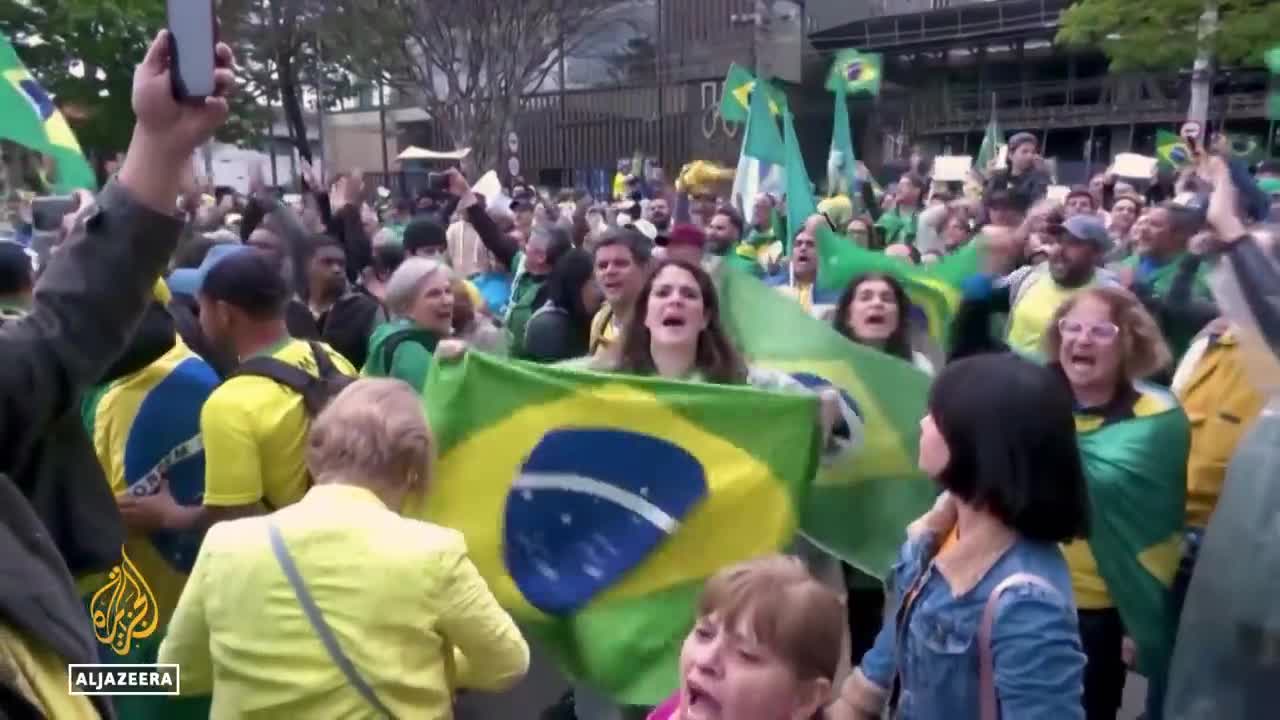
(316, 391)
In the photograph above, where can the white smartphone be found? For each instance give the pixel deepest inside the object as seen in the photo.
(193, 34)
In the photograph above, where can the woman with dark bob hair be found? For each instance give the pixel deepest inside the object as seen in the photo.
(985, 623)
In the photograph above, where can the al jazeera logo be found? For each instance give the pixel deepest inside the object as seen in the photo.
(124, 611)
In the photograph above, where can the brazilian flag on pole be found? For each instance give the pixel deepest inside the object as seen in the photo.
(858, 72)
(597, 505)
(860, 504)
(1137, 477)
(735, 104)
(32, 120)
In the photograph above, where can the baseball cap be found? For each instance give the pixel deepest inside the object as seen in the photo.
(1090, 229)
(247, 280)
(187, 281)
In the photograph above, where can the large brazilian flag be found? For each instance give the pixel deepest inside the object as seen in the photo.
(1137, 474)
(145, 426)
(596, 505)
(859, 505)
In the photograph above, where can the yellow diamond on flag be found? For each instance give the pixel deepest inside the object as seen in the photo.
(743, 95)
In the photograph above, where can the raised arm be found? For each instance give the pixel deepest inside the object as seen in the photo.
(93, 293)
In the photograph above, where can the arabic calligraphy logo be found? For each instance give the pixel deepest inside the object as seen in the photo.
(124, 609)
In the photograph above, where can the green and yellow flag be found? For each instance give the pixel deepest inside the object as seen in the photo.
(31, 119)
(735, 104)
(1137, 477)
(934, 289)
(858, 72)
(1172, 150)
(859, 505)
(596, 505)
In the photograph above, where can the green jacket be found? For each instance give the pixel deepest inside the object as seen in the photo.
(400, 349)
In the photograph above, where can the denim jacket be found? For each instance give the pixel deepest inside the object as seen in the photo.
(1037, 657)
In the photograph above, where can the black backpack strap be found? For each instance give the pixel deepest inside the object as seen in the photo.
(290, 376)
(324, 364)
(396, 339)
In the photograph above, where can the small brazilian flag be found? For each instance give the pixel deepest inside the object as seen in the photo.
(735, 104)
(1137, 475)
(1172, 150)
(934, 290)
(32, 120)
(858, 72)
(597, 505)
(859, 505)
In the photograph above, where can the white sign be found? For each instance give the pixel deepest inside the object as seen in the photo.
(1133, 165)
(952, 168)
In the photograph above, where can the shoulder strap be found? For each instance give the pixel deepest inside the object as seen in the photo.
(291, 376)
(988, 703)
(312, 611)
(324, 364)
(395, 340)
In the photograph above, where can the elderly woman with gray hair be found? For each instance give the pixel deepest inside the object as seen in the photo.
(337, 606)
(420, 298)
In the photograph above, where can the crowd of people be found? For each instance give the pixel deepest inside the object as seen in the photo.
(223, 408)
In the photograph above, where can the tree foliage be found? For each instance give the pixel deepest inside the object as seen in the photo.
(466, 62)
(279, 45)
(104, 41)
(1162, 34)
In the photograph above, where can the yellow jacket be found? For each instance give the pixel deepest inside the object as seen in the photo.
(401, 596)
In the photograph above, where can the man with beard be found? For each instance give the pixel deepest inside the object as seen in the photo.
(659, 214)
(1036, 292)
(1032, 293)
(724, 238)
(799, 279)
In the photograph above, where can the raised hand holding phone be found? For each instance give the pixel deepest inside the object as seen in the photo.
(168, 132)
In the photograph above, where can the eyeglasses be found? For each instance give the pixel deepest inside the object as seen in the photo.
(1098, 332)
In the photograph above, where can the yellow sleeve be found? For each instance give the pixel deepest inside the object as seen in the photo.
(342, 363)
(491, 653)
(233, 468)
(186, 640)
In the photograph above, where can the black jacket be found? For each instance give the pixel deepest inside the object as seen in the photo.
(346, 326)
(58, 517)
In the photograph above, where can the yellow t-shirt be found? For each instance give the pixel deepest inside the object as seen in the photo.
(1033, 312)
(255, 434)
(604, 333)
